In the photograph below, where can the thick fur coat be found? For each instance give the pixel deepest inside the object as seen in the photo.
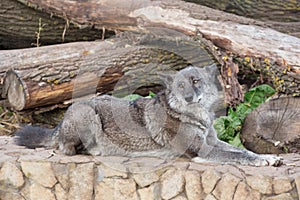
(177, 122)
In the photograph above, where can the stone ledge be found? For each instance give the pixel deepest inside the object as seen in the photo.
(40, 174)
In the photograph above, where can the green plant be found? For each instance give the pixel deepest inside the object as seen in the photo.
(229, 127)
(133, 97)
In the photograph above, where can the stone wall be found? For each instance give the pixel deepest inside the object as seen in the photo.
(42, 174)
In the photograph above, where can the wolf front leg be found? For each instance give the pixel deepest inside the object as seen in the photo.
(212, 149)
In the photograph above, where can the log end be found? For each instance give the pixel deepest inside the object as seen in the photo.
(14, 90)
(273, 127)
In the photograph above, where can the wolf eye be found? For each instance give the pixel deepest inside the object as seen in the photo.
(195, 81)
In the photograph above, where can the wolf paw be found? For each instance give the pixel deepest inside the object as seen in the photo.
(269, 160)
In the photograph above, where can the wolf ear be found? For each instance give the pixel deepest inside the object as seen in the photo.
(212, 69)
(214, 73)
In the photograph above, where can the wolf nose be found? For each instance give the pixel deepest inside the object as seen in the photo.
(188, 98)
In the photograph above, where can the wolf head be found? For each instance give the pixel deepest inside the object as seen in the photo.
(193, 86)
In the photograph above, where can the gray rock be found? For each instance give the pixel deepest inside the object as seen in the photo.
(145, 179)
(61, 172)
(210, 197)
(172, 183)
(180, 197)
(10, 175)
(297, 182)
(244, 192)
(193, 187)
(110, 189)
(209, 179)
(81, 182)
(226, 187)
(38, 192)
(10, 195)
(261, 183)
(281, 185)
(60, 193)
(108, 172)
(150, 193)
(39, 172)
(284, 196)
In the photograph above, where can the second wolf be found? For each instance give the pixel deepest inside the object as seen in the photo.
(178, 121)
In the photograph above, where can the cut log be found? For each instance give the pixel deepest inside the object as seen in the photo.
(279, 15)
(234, 34)
(240, 36)
(23, 27)
(273, 127)
(225, 30)
(53, 74)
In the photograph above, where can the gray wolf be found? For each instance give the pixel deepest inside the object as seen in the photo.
(178, 121)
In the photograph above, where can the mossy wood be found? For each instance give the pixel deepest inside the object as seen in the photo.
(273, 127)
(49, 75)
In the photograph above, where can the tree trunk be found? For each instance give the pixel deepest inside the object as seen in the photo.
(279, 15)
(278, 51)
(282, 16)
(23, 27)
(53, 74)
(273, 127)
(225, 30)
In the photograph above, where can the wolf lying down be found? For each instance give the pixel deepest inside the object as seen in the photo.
(178, 121)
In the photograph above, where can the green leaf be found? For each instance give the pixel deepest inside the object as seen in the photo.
(237, 141)
(219, 126)
(151, 94)
(265, 89)
(224, 129)
(243, 110)
(233, 117)
(257, 95)
(132, 97)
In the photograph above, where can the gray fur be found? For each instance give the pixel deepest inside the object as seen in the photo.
(178, 121)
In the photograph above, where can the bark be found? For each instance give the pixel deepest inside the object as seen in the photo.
(282, 16)
(273, 127)
(285, 79)
(231, 34)
(19, 28)
(279, 15)
(237, 35)
(53, 74)
(228, 31)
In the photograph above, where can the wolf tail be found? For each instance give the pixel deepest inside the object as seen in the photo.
(35, 137)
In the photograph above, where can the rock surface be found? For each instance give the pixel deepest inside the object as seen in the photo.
(40, 174)
(81, 181)
(11, 175)
(193, 186)
(172, 183)
(226, 187)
